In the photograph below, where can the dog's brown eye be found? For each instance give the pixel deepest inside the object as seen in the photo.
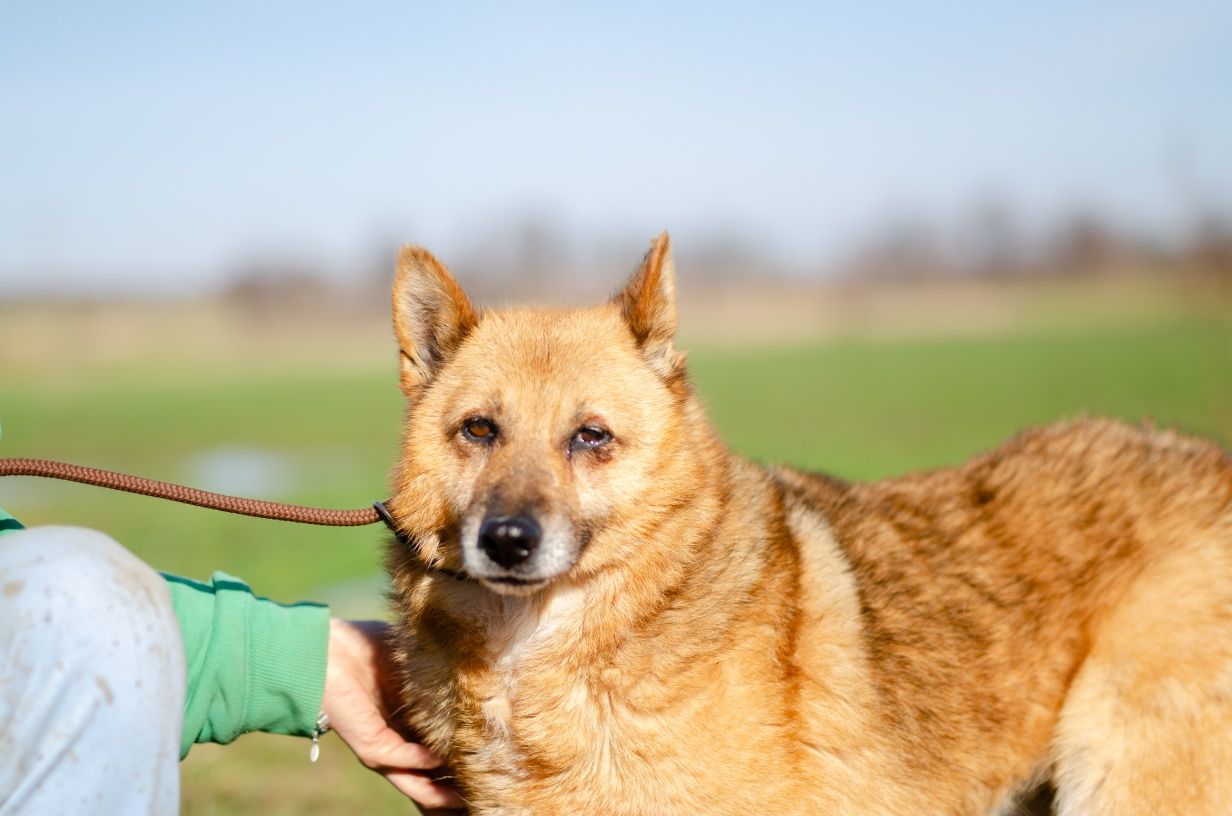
(479, 429)
(588, 438)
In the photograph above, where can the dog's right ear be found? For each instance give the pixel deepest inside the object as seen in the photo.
(648, 306)
(432, 315)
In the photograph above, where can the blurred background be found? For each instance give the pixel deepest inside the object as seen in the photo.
(903, 232)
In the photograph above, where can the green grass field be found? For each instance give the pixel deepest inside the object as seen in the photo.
(858, 409)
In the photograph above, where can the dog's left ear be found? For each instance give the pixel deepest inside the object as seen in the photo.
(432, 316)
(648, 306)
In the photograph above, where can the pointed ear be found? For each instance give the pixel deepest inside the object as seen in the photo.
(648, 306)
(431, 316)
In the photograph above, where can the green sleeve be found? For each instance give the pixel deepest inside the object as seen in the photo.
(253, 665)
(7, 522)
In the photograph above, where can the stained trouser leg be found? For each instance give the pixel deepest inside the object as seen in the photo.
(91, 678)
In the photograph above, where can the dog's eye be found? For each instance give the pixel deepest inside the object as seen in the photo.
(588, 438)
(479, 429)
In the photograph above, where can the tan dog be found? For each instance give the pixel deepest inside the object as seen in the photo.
(604, 611)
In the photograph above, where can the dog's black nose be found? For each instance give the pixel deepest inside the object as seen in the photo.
(508, 540)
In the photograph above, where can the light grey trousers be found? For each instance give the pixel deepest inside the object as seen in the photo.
(91, 678)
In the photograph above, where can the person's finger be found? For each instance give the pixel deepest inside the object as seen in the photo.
(389, 750)
(369, 735)
(424, 790)
(409, 755)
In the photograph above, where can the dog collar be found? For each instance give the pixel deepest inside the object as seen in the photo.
(406, 541)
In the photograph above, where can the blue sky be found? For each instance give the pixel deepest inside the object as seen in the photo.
(148, 145)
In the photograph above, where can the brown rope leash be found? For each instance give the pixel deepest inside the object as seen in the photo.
(278, 511)
(191, 495)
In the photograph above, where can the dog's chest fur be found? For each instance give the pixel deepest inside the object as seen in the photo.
(532, 715)
(547, 730)
(523, 635)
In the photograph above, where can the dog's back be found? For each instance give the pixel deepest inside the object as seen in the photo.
(1061, 604)
(604, 611)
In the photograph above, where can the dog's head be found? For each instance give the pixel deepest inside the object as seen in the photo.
(531, 432)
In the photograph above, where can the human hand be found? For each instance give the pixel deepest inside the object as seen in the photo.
(355, 683)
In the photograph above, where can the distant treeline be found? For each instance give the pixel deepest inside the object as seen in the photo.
(992, 243)
(540, 259)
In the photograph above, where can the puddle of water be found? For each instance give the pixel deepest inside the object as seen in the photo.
(24, 493)
(357, 598)
(243, 471)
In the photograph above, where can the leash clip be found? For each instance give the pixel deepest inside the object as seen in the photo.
(405, 541)
(383, 512)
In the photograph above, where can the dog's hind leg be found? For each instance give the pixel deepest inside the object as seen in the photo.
(1147, 725)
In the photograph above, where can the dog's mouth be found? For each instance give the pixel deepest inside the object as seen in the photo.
(511, 585)
(515, 586)
(512, 581)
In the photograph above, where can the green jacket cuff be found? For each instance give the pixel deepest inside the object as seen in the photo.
(287, 653)
(252, 664)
